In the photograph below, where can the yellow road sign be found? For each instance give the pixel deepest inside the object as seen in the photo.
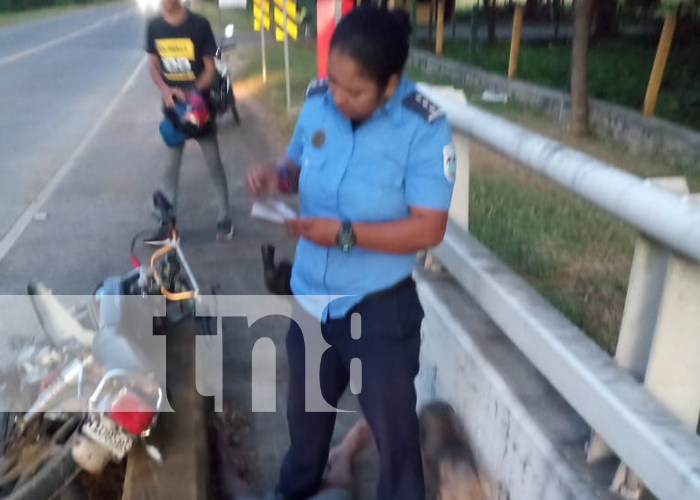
(256, 16)
(278, 16)
(291, 8)
(291, 26)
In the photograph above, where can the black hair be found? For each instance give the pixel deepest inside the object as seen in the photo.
(377, 39)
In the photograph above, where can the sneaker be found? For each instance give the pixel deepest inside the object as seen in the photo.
(159, 237)
(224, 230)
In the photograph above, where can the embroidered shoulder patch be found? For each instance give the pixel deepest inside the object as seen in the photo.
(423, 106)
(449, 162)
(317, 87)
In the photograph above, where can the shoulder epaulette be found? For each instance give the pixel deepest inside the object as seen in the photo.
(423, 106)
(317, 87)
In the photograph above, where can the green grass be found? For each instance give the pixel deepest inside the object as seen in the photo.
(11, 18)
(618, 72)
(219, 18)
(576, 256)
(302, 69)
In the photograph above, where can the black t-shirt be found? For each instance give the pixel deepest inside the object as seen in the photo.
(181, 48)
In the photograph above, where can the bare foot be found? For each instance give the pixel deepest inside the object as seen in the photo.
(458, 482)
(338, 471)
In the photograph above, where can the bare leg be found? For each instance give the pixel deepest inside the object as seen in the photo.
(339, 469)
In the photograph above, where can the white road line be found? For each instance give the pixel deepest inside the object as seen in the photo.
(28, 52)
(11, 237)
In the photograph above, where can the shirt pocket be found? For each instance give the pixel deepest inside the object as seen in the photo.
(367, 200)
(379, 164)
(317, 195)
(373, 187)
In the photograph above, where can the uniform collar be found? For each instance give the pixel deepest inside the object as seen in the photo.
(393, 108)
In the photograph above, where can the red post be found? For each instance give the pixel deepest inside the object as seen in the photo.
(325, 24)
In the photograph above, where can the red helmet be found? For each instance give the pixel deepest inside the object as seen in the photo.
(195, 114)
(187, 119)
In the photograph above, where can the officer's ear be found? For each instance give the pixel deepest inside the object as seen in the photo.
(391, 86)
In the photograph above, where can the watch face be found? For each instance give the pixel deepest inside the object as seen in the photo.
(346, 238)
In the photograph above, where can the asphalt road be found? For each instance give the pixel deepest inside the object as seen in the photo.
(80, 155)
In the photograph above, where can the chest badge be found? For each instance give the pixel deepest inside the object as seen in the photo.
(318, 139)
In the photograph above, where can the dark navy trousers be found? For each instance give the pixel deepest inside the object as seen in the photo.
(388, 348)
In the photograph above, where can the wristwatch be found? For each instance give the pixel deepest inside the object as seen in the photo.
(346, 237)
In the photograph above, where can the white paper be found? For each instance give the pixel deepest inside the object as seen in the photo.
(273, 211)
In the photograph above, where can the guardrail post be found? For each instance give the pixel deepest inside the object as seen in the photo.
(644, 294)
(459, 207)
(674, 362)
(659, 339)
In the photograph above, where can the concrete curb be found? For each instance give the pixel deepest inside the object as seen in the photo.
(181, 436)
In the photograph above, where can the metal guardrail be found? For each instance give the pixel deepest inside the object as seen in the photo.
(653, 211)
(643, 432)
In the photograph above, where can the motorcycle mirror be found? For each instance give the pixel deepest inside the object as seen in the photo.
(229, 31)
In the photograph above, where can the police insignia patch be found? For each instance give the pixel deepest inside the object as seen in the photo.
(318, 139)
(449, 162)
(423, 106)
(317, 87)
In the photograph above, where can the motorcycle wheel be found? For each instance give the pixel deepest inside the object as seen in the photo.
(37, 464)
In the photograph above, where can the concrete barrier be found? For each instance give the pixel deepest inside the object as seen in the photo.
(526, 438)
(627, 126)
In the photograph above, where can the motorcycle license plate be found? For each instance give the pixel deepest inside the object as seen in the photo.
(110, 436)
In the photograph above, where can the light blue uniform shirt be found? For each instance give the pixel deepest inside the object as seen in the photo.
(402, 156)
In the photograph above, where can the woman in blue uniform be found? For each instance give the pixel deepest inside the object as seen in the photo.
(373, 163)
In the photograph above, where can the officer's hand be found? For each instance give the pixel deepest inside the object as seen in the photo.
(262, 179)
(323, 232)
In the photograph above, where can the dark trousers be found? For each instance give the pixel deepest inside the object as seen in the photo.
(388, 348)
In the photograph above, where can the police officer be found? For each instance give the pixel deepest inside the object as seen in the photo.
(373, 163)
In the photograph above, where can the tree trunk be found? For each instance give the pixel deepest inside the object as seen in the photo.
(556, 14)
(490, 8)
(607, 21)
(531, 7)
(579, 63)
